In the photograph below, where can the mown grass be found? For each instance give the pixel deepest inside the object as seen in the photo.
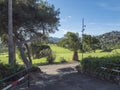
(60, 53)
(4, 57)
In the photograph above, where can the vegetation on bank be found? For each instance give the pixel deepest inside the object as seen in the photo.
(107, 67)
(91, 64)
(6, 70)
(12, 73)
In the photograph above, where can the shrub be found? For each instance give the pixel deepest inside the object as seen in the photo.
(62, 60)
(91, 64)
(51, 57)
(39, 51)
(7, 70)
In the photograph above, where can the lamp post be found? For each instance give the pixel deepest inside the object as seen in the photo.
(83, 29)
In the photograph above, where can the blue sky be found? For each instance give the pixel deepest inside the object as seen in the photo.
(100, 16)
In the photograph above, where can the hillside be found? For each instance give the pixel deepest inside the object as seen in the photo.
(54, 39)
(110, 36)
(110, 39)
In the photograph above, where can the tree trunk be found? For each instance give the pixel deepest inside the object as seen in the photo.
(28, 53)
(10, 34)
(75, 56)
(25, 60)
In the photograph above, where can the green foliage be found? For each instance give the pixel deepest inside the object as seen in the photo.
(91, 64)
(62, 60)
(31, 20)
(39, 51)
(3, 49)
(71, 41)
(110, 40)
(7, 69)
(106, 49)
(51, 57)
(31, 16)
(61, 52)
(90, 43)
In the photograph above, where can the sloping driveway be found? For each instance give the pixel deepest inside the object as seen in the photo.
(65, 77)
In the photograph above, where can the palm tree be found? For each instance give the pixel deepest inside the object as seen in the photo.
(10, 34)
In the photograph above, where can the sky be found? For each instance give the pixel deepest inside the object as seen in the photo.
(100, 16)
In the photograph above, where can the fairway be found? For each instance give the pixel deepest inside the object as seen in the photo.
(60, 53)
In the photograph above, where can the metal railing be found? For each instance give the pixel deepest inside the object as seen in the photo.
(24, 76)
(110, 71)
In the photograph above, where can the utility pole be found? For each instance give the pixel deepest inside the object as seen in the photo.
(83, 29)
(10, 34)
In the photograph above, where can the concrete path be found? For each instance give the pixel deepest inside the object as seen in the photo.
(65, 77)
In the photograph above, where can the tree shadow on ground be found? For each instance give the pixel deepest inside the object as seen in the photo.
(69, 79)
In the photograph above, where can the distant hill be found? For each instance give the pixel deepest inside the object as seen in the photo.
(111, 38)
(54, 39)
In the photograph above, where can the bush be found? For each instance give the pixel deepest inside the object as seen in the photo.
(51, 57)
(3, 48)
(39, 51)
(7, 70)
(62, 60)
(91, 64)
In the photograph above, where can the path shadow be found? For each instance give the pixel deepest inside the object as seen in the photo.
(69, 79)
(63, 70)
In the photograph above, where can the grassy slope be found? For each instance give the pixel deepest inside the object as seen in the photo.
(60, 53)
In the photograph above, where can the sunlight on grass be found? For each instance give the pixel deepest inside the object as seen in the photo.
(60, 53)
(39, 61)
(4, 57)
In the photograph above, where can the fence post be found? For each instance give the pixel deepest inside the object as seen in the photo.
(28, 78)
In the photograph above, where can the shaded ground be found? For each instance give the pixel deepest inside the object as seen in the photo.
(65, 77)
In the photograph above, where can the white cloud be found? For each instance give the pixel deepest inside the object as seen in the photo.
(61, 32)
(65, 19)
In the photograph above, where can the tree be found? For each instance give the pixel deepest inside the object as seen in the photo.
(90, 43)
(28, 17)
(95, 43)
(86, 43)
(72, 41)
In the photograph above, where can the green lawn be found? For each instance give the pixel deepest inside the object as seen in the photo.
(60, 54)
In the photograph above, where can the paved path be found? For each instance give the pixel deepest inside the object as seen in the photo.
(64, 77)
